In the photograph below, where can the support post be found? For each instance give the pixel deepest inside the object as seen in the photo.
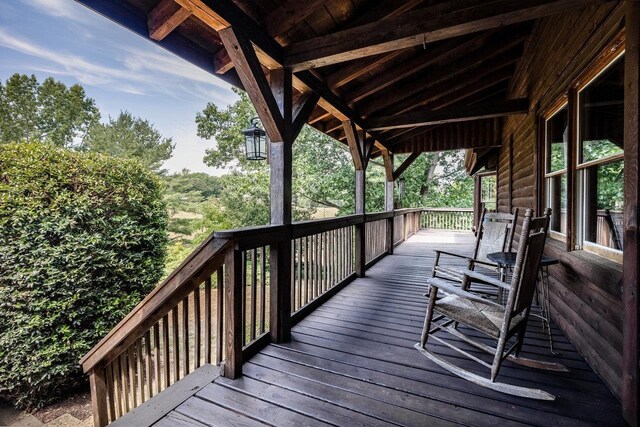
(281, 179)
(388, 197)
(98, 385)
(631, 266)
(233, 314)
(360, 228)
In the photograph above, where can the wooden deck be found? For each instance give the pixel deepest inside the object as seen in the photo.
(352, 362)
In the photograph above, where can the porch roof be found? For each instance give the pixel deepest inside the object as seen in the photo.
(419, 75)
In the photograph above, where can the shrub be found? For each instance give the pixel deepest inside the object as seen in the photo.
(82, 240)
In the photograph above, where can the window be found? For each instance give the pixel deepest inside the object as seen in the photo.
(556, 146)
(600, 152)
(583, 154)
(488, 192)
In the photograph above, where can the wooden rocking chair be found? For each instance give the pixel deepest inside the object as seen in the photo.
(500, 322)
(495, 234)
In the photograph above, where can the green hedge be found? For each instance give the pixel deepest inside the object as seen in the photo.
(82, 240)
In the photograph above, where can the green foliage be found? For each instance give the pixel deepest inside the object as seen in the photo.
(82, 240)
(130, 138)
(437, 180)
(610, 186)
(49, 112)
(185, 191)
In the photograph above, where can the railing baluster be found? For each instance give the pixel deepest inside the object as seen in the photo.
(207, 320)
(197, 328)
(185, 336)
(140, 383)
(111, 405)
(165, 350)
(254, 282)
(244, 297)
(220, 314)
(263, 290)
(300, 278)
(147, 363)
(307, 270)
(176, 344)
(117, 390)
(156, 356)
(124, 381)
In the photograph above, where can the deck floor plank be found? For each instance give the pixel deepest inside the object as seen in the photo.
(352, 362)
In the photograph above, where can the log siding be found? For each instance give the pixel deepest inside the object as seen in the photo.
(586, 290)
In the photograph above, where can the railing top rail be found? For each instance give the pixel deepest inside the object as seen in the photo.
(377, 216)
(203, 261)
(448, 209)
(398, 212)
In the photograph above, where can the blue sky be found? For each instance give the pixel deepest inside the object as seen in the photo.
(117, 68)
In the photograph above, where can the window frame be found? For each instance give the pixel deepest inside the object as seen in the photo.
(589, 77)
(556, 107)
(575, 170)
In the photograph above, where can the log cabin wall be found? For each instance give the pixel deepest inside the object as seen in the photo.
(586, 290)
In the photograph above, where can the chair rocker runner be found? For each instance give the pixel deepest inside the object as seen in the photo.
(494, 234)
(503, 323)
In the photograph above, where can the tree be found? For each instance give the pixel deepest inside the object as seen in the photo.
(323, 173)
(130, 137)
(51, 112)
(82, 241)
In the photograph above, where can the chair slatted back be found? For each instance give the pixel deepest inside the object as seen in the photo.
(525, 272)
(495, 233)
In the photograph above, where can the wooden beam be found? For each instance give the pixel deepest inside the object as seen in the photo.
(630, 264)
(222, 62)
(289, 14)
(354, 145)
(432, 82)
(301, 111)
(439, 22)
(403, 167)
(439, 57)
(450, 115)
(254, 81)
(387, 158)
(166, 17)
(221, 14)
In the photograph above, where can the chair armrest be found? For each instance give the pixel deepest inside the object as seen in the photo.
(486, 279)
(488, 264)
(455, 290)
(451, 254)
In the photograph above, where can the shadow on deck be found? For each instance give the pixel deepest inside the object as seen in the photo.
(352, 362)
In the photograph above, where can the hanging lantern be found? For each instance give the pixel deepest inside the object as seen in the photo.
(255, 141)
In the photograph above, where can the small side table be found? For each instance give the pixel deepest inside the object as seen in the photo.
(507, 260)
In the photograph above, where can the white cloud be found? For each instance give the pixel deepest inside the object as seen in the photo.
(58, 8)
(141, 71)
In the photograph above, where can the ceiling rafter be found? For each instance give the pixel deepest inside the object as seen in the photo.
(439, 22)
(450, 115)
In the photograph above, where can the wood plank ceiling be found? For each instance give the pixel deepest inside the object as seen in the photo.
(379, 63)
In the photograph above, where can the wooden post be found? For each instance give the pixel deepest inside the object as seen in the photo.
(98, 385)
(631, 267)
(360, 227)
(477, 201)
(388, 197)
(281, 179)
(233, 314)
(359, 157)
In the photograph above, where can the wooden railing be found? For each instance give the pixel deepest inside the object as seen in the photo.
(236, 292)
(609, 229)
(458, 219)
